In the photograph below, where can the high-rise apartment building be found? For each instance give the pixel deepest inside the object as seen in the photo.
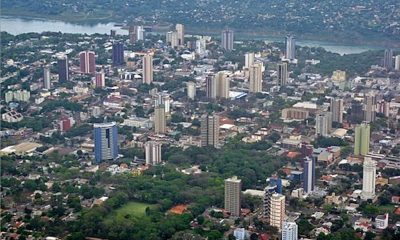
(255, 78)
(46, 78)
(268, 192)
(132, 32)
(233, 190)
(211, 87)
(361, 139)
(323, 124)
(164, 99)
(309, 175)
(383, 107)
(99, 80)
(209, 130)
(105, 141)
(369, 107)
(290, 231)
(140, 33)
(63, 70)
(118, 53)
(180, 29)
(227, 37)
(160, 123)
(248, 59)
(201, 47)
(147, 68)
(223, 85)
(277, 211)
(290, 47)
(191, 90)
(87, 62)
(397, 63)
(153, 152)
(283, 73)
(337, 110)
(172, 39)
(357, 113)
(388, 59)
(369, 179)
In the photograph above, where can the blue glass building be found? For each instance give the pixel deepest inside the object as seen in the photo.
(118, 54)
(105, 141)
(277, 182)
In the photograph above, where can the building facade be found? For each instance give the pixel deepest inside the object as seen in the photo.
(211, 87)
(283, 73)
(248, 59)
(46, 78)
(222, 85)
(309, 175)
(63, 70)
(233, 191)
(277, 211)
(337, 110)
(160, 120)
(209, 130)
(118, 53)
(361, 139)
(153, 153)
(255, 78)
(105, 141)
(191, 90)
(290, 231)
(147, 68)
(369, 107)
(369, 179)
(99, 80)
(227, 37)
(180, 29)
(290, 47)
(388, 59)
(323, 124)
(87, 62)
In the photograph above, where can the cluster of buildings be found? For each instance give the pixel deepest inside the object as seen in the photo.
(158, 97)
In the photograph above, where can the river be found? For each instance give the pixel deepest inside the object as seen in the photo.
(19, 25)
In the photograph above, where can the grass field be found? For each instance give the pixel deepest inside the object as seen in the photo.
(135, 209)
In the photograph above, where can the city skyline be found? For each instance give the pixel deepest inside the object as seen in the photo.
(168, 132)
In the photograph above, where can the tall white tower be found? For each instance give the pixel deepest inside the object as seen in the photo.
(369, 178)
(153, 153)
(248, 59)
(255, 83)
(147, 69)
(289, 231)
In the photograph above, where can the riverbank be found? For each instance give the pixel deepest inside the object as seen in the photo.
(24, 25)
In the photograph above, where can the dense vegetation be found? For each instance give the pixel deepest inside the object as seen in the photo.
(162, 187)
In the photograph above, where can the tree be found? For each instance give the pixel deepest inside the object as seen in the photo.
(304, 227)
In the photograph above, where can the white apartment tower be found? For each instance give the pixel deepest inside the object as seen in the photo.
(147, 68)
(290, 231)
(369, 178)
(153, 153)
(248, 59)
(191, 90)
(46, 78)
(255, 79)
(277, 212)
(323, 124)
